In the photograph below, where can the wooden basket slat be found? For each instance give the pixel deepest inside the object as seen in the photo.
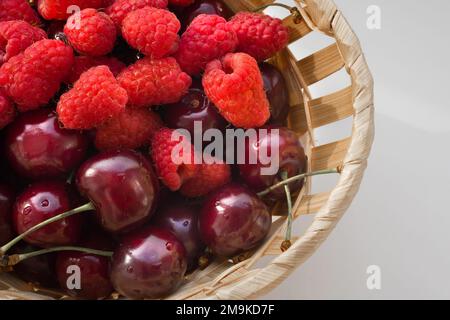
(297, 30)
(275, 248)
(309, 204)
(329, 155)
(332, 108)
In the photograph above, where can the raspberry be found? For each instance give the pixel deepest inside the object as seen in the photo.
(7, 111)
(33, 77)
(172, 174)
(152, 31)
(95, 98)
(18, 10)
(95, 36)
(84, 63)
(131, 129)
(120, 8)
(260, 35)
(16, 36)
(57, 10)
(181, 3)
(235, 86)
(152, 82)
(208, 37)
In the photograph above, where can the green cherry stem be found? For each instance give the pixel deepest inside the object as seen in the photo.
(286, 244)
(87, 207)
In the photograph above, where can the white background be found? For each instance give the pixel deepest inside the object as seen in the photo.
(400, 219)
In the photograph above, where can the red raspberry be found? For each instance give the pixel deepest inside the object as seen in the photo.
(84, 63)
(33, 77)
(131, 129)
(172, 173)
(57, 10)
(260, 35)
(95, 35)
(120, 8)
(152, 31)
(7, 111)
(95, 98)
(181, 3)
(208, 37)
(153, 82)
(18, 10)
(235, 86)
(16, 36)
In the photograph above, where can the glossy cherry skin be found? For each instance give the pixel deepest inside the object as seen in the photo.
(148, 264)
(182, 220)
(123, 188)
(291, 159)
(6, 203)
(44, 200)
(277, 93)
(204, 7)
(234, 219)
(37, 147)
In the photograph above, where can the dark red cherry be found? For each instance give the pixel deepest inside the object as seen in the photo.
(37, 147)
(149, 263)
(277, 93)
(6, 203)
(181, 219)
(44, 200)
(217, 7)
(291, 159)
(234, 219)
(123, 188)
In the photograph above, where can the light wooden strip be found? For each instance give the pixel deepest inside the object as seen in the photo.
(321, 64)
(274, 248)
(332, 108)
(309, 204)
(330, 155)
(296, 30)
(297, 119)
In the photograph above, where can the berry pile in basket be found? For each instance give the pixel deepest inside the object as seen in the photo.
(101, 167)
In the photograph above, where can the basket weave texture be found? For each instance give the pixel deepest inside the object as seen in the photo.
(243, 280)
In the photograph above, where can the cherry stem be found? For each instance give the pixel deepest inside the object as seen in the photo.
(12, 260)
(296, 178)
(293, 10)
(87, 207)
(286, 244)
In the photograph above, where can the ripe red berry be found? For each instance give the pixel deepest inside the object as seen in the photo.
(94, 36)
(33, 77)
(208, 37)
(7, 111)
(181, 3)
(84, 63)
(152, 31)
(260, 35)
(95, 98)
(18, 10)
(131, 129)
(151, 82)
(16, 36)
(120, 8)
(235, 86)
(58, 10)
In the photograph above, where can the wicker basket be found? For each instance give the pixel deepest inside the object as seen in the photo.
(243, 280)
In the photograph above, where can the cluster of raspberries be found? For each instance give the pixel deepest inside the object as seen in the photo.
(79, 71)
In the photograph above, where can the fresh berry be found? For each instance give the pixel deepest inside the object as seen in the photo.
(37, 147)
(181, 3)
(149, 263)
(277, 93)
(84, 63)
(95, 98)
(216, 7)
(151, 82)
(173, 172)
(235, 86)
(120, 8)
(260, 35)
(208, 37)
(7, 110)
(58, 10)
(94, 35)
(6, 204)
(152, 31)
(16, 36)
(33, 77)
(18, 10)
(131, 129)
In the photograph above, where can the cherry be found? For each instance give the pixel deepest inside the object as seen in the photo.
(234, 219)
(182, 220)
(292, 160)
(204, 7)
(41, 201)
(37, 147)
(123, 188)
(277, 93)
(149, 263)
(6, 203)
